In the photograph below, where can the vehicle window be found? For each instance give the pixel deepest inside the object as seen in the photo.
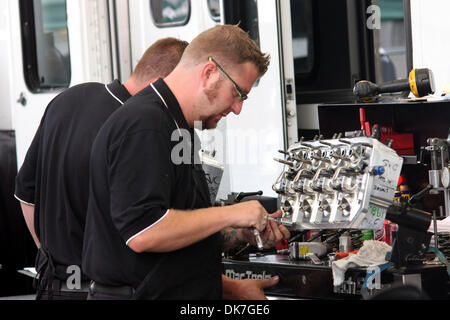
(333, 48)
(244, 13)
(214, 9)
(250, 21)
(391, 52)
(46, 44)
(167, 13)
(302, 35)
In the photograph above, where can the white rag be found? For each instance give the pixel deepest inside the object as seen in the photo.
(372, 253)
(442, 225)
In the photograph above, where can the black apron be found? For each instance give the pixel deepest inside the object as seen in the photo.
(49, 275)
(45, 273)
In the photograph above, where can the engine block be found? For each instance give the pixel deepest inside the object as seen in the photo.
(337, 183)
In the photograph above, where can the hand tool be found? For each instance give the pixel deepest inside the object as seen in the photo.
(420, 83)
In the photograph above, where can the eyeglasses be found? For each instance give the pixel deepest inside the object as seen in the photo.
(242, 95)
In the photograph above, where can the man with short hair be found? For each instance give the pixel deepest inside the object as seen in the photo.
(151, 232)
(53, 182)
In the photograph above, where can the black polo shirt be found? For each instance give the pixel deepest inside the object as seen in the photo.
(133, 184)
(55, 173)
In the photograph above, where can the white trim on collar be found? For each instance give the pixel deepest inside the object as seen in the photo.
(113, 95)
(164, 101)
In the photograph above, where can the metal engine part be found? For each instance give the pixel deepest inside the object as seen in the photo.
(337, 183)
(299, 250)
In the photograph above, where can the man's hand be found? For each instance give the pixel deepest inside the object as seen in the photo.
(249, 214)
(273, 233)
(247, 289)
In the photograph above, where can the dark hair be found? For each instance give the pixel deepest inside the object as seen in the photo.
(159, 59)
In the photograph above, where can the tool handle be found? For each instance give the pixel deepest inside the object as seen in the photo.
(365, 89)
(280, 221)
(394, 86)
(242, 195)
(258, 239)
(362, 117)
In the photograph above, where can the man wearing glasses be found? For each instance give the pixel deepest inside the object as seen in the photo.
(242, 95)
(151, 232)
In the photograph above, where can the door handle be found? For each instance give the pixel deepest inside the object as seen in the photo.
(22, 100)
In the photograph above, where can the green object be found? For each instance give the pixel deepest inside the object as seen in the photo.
(391, 9)
(377, 212)
(367, 235)
(174, 10)
(54, 15)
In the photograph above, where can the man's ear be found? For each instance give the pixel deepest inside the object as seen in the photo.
(208, 73)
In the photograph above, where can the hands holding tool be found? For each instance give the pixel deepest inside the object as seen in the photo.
(272, 233)
(250, 223)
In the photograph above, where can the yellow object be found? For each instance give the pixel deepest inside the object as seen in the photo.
(303, 250)
(446, 89)
(412, 83)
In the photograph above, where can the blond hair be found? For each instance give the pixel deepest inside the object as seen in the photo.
(229, 45)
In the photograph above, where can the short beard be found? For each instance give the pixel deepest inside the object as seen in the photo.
(210, 123)
(211, 95)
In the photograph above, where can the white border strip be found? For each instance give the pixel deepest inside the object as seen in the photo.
(30, 204)
(107, 89)
(137, 234)
(164, 102)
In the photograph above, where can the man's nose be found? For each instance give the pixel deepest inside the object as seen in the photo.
(236, 108)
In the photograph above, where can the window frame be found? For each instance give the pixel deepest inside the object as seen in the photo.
(312, 41)
(361, 45)
(408, 34)
(232, 14)
(171, 24)
(29, 51)
(408, 47)
(309, 88)
(216, 19)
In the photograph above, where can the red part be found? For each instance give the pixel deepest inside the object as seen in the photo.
(340, 255)
(367, 128)
(403, 142)
(401, 180)
(283, 244)
(362, 117)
